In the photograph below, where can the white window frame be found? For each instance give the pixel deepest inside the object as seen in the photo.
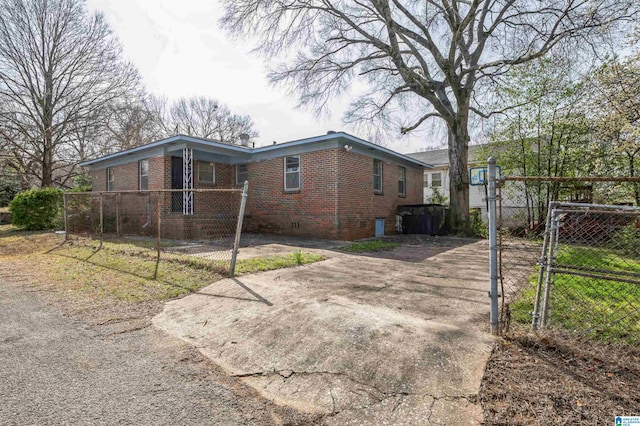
(439, 174)
(111, 180)
(141, 175)
(213, 172)
(238, 182)
(381, 175)
(298, 172)
(402, 177)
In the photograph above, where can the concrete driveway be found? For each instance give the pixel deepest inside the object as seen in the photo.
(355, 339)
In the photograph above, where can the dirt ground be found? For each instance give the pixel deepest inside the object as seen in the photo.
(555, 379)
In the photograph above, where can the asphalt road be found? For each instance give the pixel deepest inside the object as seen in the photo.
(56, 369)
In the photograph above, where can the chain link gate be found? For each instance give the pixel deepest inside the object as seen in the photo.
(523, 226)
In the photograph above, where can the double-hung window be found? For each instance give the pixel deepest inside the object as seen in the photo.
(242, 174)
(110, 179)
(206, 172)
(402, 181)
(292, 173)
(143, 175)
(436, 180)
(377, 175)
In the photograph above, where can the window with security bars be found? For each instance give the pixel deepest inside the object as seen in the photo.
(292, 173)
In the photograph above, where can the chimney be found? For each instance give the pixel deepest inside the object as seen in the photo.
(244, 139)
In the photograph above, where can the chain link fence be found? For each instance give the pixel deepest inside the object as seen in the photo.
(198, 227)
(590, 271)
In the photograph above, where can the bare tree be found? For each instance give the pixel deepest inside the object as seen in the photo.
(59, 67)
(422, 59)
(132, 121)
(206, 118)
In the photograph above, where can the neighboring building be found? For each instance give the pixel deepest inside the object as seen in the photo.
(333, 186)
(436, 179)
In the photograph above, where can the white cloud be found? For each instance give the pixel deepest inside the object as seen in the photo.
(181, 52)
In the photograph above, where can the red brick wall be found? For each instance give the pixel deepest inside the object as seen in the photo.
(336, 199)
(125, 176)
(360, 206)
(307, 212)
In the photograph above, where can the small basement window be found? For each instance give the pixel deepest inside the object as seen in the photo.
(206, 172)
(242, 174)
(377, 175)
(143, 175)
(402, 181)
(292, 173)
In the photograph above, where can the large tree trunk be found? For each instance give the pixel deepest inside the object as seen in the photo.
(458, 178)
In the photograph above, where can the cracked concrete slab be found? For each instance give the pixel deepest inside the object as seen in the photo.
(355, 339)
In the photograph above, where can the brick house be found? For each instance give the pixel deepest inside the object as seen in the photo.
(333, 186)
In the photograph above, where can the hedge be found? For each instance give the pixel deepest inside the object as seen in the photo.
(37, 209)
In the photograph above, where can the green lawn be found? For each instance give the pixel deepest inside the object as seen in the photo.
(606, 309)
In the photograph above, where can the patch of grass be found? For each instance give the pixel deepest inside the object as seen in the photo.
(598, 307)
(370, 246)
(123, 270)
(269, 263)
(16, 242)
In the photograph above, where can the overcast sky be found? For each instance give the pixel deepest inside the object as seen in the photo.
(181, 52)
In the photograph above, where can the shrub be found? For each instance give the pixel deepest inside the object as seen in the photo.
(477, 227)
(37, 209)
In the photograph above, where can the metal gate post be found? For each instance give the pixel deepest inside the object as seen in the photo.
(551, 257)
(64, 212)
(236, 243)
(493, 245)
(543, 262)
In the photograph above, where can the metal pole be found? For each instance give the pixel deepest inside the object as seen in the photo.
(542, 264)
(493, 245)
(159, 220)
(64, 215)
(553, 236)
(118, 201)
(101, 217)
(236, 243)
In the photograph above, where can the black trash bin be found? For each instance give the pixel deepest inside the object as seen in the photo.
(428, 219)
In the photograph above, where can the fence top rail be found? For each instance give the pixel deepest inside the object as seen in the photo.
(136, 191)
(600, 208)
(572, 179)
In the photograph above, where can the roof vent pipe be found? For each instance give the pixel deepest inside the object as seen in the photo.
(244, 139)
(330, 132)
